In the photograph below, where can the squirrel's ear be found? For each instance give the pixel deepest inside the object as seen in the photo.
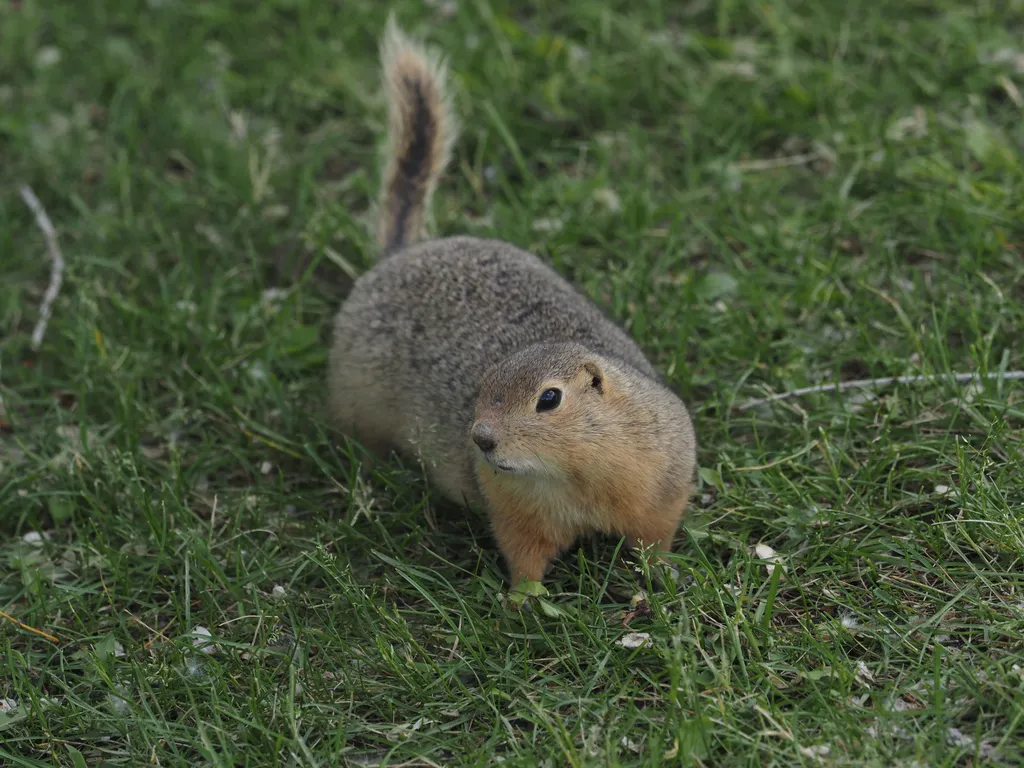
(593, 370)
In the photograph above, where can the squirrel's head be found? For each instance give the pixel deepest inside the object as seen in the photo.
(540, 408)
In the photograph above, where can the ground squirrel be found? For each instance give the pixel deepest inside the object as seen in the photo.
(516, 392)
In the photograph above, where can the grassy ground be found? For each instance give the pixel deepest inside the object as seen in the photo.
(769, 194)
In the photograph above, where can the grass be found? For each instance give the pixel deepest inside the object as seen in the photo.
(768, 194)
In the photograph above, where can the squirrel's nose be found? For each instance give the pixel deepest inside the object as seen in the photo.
(484, 437)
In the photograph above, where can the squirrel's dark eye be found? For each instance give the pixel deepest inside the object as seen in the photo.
(549, 399)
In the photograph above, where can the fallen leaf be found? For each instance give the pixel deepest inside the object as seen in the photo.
(609, 199)
(202, 640)
(635, 640)
(819, 750)
(764, 552)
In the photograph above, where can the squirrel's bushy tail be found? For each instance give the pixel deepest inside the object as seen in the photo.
(421, 132)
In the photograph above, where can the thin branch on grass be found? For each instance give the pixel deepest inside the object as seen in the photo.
(783, 460)
(27, 628)
(771, 163)
(56, 262)
(874, 383)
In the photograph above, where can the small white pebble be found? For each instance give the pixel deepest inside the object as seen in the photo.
(277, 592)
(547, 225)
(272, 297)
(609, 199)
(48, 56)
(635, 640)
(266, 467)
(33, 537)
(257, 370)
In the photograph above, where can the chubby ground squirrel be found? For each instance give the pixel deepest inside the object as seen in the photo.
(516, 392)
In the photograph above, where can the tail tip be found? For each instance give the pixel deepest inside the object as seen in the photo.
(403, 56)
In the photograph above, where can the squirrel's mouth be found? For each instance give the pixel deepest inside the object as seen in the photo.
(502, 466)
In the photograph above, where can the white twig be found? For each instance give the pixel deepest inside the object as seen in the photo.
(771, 163)
(56, 263)
(872, 383)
